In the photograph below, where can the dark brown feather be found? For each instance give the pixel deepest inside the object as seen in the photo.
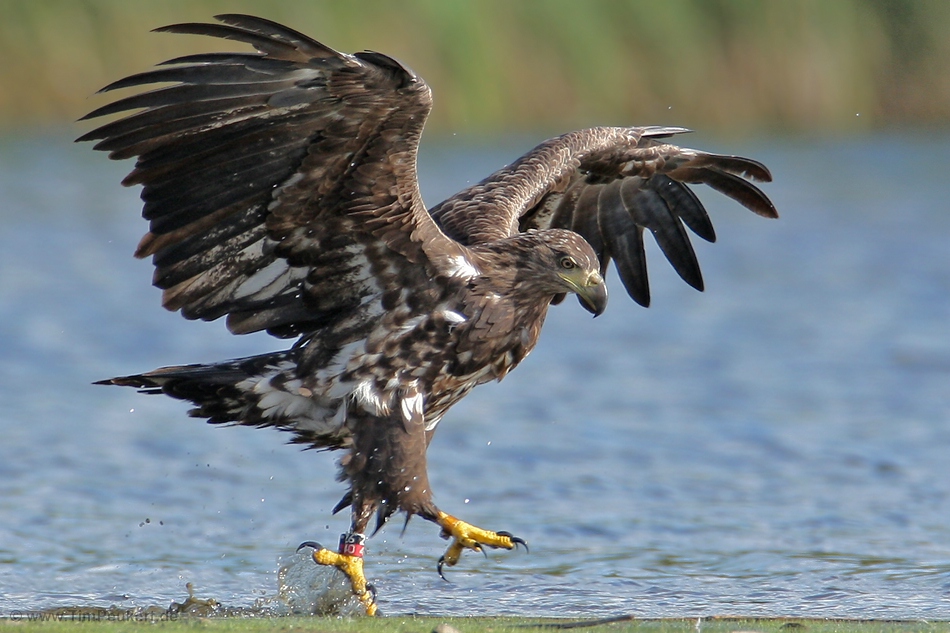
(251, 158)
(570, 180)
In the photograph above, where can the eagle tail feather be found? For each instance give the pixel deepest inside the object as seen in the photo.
(215, 388)
(253, 391)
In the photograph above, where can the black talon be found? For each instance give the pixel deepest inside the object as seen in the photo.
(312, 544)
(439, 568)
(372, 589)
(514, 539)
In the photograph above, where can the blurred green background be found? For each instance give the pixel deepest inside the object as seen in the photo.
(779, 66)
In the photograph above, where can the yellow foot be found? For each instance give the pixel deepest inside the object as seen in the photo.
(352, 566)
(466, 536)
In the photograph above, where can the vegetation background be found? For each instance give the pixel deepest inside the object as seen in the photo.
(756, 66)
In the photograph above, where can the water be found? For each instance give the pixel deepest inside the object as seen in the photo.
(777, 445)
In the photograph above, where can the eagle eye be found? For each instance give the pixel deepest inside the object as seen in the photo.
(567, 263)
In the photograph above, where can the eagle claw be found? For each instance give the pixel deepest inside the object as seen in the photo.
(465, 536)
(352, 567)
(515, 539)
(312, 544)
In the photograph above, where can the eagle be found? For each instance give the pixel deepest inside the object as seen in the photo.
(281, 192)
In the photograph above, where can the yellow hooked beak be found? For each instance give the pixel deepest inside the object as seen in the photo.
(590, 288)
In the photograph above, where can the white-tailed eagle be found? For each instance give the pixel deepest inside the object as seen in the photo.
(281, 192)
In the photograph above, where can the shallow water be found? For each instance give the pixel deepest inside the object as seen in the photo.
(777, 445)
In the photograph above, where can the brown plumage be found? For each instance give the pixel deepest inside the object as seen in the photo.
(280, 189)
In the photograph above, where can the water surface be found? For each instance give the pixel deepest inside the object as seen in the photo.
(777, 445)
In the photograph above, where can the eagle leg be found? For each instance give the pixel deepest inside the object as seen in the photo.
(349, 560)
(466, 536)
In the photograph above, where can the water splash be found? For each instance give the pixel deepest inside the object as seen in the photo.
(305, 588)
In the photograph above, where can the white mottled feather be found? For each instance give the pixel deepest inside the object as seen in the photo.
(370, 400)
(263, 278)
(461, 267)
(412, 406)
(453, 317)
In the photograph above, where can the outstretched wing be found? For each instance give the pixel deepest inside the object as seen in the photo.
(609, 184)
(280, 186)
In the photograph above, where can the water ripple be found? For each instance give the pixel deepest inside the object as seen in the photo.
(775, 446)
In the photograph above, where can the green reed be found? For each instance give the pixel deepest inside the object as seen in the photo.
(751, 65)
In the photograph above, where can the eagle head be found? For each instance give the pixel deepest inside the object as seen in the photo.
(569, 264)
